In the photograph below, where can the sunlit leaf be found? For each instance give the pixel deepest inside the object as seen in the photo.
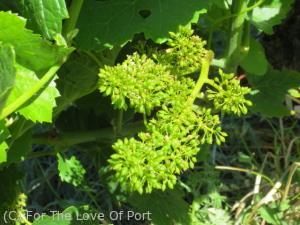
(32, 51)
(7, 72)
(270, 14)
(39, 109)
(45, 17)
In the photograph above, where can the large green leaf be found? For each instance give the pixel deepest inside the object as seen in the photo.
(45, 17)
(255, 62)
(31, 50)
(271, 91)
(270, 14)
(39, 109)
(114, 22)
(7, 72)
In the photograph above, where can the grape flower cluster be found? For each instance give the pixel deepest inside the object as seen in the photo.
(179, 127)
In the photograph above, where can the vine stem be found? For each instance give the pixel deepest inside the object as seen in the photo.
(28, 95)
(74, 12)
(222, 19)
(202, 78)
(236, 35)
(74, 138)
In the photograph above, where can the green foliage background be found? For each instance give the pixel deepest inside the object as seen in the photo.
(144, 105)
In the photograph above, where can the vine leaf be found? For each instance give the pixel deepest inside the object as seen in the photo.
(32, 51)
(39, 109)
(70, 170)
(114, 22)
(271, 91)
(257, 57)
(45, 17)
(270, 14)
(7, 71)
(7, 78)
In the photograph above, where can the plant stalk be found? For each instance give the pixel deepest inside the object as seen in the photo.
(236, 35)
(74, 138)
(202, 78)
(74, 13)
